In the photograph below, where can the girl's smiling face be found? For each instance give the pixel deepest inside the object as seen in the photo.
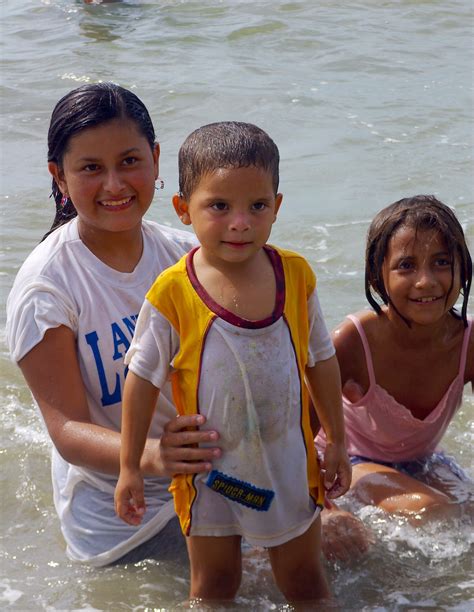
(417, 274)
(109, 172)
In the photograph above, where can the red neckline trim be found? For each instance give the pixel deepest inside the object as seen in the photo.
(230, 317)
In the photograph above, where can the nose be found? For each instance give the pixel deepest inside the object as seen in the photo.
(113, 182)
(424, 278)
(239, 222)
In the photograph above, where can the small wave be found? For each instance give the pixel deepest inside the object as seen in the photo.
(258, 30)
(321, 229)
(349, 223)
(69, 76)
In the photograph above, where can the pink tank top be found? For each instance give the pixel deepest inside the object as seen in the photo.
(380, 428)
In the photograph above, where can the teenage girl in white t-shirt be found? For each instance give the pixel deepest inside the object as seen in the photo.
(71, 316)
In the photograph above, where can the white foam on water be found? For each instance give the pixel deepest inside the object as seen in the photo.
(400, 599)
(8, 595)
(69, 76)
(436, 540)
(23, 422)
(466, 585)
(32, 436)
(86, 608)
(320, 245)
(321, 229)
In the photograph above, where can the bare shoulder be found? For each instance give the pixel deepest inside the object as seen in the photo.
(345, 336)
(349, 347)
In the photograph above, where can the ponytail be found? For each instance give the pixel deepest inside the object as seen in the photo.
(65, 210)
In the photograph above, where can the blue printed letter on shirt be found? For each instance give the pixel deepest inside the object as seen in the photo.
(107, 398)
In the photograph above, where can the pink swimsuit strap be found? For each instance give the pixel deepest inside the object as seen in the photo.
(368, 354)
(365, 344)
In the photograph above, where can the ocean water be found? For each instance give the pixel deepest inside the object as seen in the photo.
(369, 101)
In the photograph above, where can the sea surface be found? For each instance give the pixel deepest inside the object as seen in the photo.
(369, 101)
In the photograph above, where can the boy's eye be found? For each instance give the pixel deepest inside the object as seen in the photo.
(219, 206)
(259, 206)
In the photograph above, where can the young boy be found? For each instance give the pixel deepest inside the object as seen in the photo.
(238, 324)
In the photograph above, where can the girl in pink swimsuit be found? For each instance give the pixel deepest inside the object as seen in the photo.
(404, 364)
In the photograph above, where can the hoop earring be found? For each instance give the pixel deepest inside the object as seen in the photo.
(161, 184)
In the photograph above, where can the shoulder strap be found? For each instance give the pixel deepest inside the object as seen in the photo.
(365, 344)
(465, 344)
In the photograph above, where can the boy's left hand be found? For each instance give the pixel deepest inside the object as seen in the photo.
(337, 470)
(129, 497)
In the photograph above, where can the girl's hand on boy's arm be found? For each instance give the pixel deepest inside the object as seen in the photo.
(179, 446)
(129, 499)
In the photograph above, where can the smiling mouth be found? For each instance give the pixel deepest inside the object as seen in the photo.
(116, 204)
(425, 300)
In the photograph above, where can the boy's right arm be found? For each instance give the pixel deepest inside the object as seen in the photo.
(139, 401)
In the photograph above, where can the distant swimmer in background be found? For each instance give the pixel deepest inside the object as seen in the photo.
(404, 365)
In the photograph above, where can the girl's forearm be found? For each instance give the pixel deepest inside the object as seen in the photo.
(62, 400)
(97, 448)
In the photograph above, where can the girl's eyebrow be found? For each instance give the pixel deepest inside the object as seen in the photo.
(412, 257)
(122, 154)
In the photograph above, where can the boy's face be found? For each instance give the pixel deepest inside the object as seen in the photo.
(232, 211)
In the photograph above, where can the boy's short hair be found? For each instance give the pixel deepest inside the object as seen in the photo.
(227, 144)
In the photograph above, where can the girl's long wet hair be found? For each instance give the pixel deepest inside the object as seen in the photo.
(83, 108)
(421, 212)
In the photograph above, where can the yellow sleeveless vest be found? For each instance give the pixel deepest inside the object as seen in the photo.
(173, 295)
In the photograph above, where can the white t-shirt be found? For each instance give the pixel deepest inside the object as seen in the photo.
(249, 390)
(63, 283)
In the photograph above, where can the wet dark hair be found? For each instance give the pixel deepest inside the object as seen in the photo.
(421, 212)
(228, 144)
(83, 108)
